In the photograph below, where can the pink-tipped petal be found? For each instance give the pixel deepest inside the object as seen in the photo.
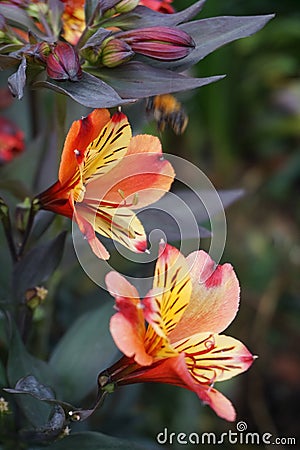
(215, 297)
(127, 340)
(118, 286)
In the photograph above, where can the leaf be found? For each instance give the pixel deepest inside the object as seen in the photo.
(180, 214)
(142, 17)
(97, 38)
(89, 8)
(90, 440)
(136, 79)
(3, 381)
(210, 34)
(37, 265)
(17, 81)
(21, 364)
(7, 61)
(56, 417)
(89, 91)
(19, 17)
(84, 351)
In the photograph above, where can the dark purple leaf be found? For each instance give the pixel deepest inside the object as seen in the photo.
(97, 38)
(90, 91)
(210, 34)
(19, 17)
(17, 81)
(38, 265)
(142, 17)
(94, 441)
(136, 79)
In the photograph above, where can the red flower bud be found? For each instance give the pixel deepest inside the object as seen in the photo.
(63, 63)
(163, 43)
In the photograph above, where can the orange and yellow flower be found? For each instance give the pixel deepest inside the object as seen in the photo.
(73, 19)
(104, 175)
(190, 303)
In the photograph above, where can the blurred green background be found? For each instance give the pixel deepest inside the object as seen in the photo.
(243, 132)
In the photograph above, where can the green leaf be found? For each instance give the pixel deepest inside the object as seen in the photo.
(84, 351)
(3, 380)
(89, 91)
(17, 80)
(91, 440)
(21, 364)
(37, 265)
(210, 34)
(139, 80)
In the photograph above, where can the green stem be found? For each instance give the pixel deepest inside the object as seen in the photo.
(33, 210)
(60, 114)
(4, 214)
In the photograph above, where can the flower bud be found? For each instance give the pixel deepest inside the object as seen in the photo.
(116, 52)
(112, 7)
(163, 43)
(35, 296)
(63, 63)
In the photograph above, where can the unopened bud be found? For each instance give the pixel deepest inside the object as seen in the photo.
(163, 43)
(63, 63)
(116, 52)
(35, 296)
(111, 7)
(3, 406)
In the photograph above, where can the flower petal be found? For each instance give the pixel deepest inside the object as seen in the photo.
(210, 357)
(217, 401)
(106, 151)
(172, 287)
(120, 224)
(142, 177)
(127, 326)
(88, 231)
(215, 297)
(80, 135)
(174, 371)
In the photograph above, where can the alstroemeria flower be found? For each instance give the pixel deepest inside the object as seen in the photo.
(163, 6)
(73, 20)
(190, 303)
(104, 175)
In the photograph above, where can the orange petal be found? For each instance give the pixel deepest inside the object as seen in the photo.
(217, 401)
(80, 135)
(210, 357)
(141, 178)
(127, 326)
(174, 371)
(215, 297)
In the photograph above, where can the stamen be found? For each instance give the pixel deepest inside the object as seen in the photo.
(77, 152)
